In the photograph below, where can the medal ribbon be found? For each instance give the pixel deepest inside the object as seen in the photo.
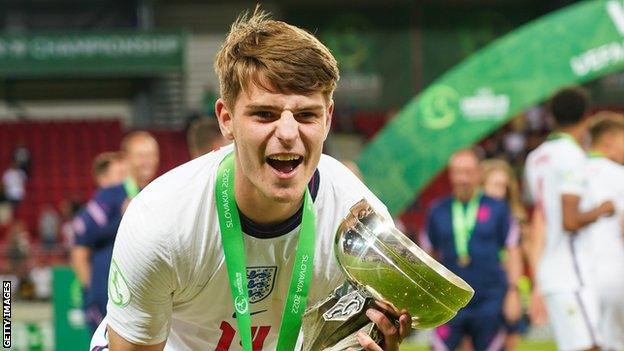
(131, 187)
(234, 251)
(464, 222)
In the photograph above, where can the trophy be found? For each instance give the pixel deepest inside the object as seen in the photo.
(387, 271)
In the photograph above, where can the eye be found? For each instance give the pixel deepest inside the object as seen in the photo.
(263, 114)
(306, 115)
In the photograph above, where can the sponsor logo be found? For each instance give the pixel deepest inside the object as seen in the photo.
(241, 305)
(438, 107)
(607, 55)
(118, 291)
(260, 282)
(485, 105)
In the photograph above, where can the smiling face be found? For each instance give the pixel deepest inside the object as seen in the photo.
(496, 183)
(278, 140)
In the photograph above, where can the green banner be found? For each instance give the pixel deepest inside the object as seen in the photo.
(70, 331)
(370, 49)
(120, 53)
(573, 45)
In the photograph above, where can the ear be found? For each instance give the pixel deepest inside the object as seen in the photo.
(329, 113)
(224, 116)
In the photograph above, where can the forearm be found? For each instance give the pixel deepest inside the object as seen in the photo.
(513, 266)
(536, 239)
(81, 263)
(578, 220)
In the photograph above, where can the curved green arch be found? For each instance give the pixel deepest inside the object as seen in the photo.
(574, 45)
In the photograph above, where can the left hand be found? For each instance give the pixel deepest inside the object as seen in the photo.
(393, 335)
(512, 307)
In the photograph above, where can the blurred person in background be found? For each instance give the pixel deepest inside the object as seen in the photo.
(109, 168)
(605, 182)
(499, 182)
(49, 224)
(18, 250)
(466, 232)
(21, 157)
(203, 136)
(14, 181)
(97, 222)
(555, 177)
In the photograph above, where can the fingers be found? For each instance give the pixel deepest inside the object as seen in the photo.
(387, 328)
(367, 343)
(405, 326)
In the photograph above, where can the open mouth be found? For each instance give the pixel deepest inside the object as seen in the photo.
(284, 163)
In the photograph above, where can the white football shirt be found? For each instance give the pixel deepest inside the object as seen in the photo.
(605, 181)
(168, 278)
(555, 168)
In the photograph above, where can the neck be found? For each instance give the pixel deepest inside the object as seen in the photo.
(259, 208)
(141, 183)
(464, 196)
(576, 131)
(604, 150)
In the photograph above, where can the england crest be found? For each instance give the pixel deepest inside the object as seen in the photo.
(260, 282)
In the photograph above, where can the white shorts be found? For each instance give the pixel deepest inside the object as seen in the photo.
(99, 340)
(574, 319)
(610, 289)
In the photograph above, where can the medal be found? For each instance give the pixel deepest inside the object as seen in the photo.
(464, 222)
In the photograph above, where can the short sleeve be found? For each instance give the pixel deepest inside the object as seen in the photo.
(571, 173)
(509, 229)
(141, 279)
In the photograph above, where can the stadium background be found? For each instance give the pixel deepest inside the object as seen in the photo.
(72, 86)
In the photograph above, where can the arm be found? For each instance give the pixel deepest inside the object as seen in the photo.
(574, 219)
(512, 308)
(141, 282)
(81, 263)
(117, 343)
(537, 234)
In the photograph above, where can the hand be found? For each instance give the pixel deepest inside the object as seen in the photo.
(393, 335)
(607, 208)
(512, 308)
(537, 308)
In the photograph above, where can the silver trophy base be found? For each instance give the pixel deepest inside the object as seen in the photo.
(332, 324)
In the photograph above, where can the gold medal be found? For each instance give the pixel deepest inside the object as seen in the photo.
(464, 261)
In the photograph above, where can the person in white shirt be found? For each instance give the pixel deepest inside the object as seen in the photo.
(265, 208)
(554, 174)
(14, 181)
(605, 182)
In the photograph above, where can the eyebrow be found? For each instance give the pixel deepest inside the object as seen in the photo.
(275, 108)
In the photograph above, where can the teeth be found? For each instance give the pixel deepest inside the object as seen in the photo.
(284, 157)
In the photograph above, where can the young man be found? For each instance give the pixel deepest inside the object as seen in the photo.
(109, 168)
(204, 255)
(467, 231)
(554, 174)
(605, 181)
(96, 224)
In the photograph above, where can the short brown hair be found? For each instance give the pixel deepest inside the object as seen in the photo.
(605, 122)
(275, 56)
(102, 161)
(201, 134)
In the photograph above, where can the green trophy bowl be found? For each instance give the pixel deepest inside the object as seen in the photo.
(378, 258)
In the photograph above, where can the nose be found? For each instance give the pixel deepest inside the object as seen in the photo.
(287, 129)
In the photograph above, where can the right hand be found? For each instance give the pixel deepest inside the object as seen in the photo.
(607, 208)
(537, 308)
